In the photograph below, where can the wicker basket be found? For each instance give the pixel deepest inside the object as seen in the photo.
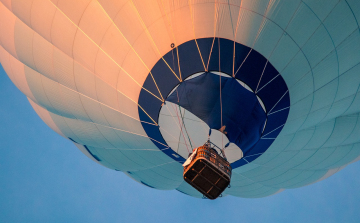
(208, 172)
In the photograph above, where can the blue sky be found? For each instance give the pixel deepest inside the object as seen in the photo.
(45, 178)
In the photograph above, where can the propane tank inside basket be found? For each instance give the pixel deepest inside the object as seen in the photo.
(208, 172)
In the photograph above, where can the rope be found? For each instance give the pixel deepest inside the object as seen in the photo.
(182, 118)
(221, 113)
(181, 131)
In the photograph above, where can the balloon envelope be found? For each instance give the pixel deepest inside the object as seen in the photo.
(136, 85)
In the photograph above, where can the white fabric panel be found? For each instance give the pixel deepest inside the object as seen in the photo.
(349, 52)
(282, 12)
(318, 46)
(159, 158)
(321, 8)
(281, 158)
(323, 98)
(340, 107)
(22, 9)
(106, 95)
(354, 106)
(339, 153)
(279, 180)
(285, 50)
(253, 173)
(63, 32)
(268, 39)
(44, 57)
(340, 23)
(245, 33)
(121, 121)
(302, 25)
(85, 50)
(328, 66)
(15, 71)
(64, 127)
(181, 23)
(88, 133)
(74, 10)
(46, 117)
(353, 137)
(55, 95)
(34, 80)
(91, 134)
(94, 110)
(343, 128)
(259, 6)
(147, 11)
(267, 175)
(302, 89)
(297, 115)
(150, 16)
(304, 175)
(295, 71)
(23, 38)
(6, 3)
(113, 159)
(349, 83)
(355, 5)
(239, 180)
(264, 158)
(85, 81)
(321, 134)
(42, 15)
(64, 69)
(226, 20)
(122, 162)
(94, 21)
(68, 102)
(204, 18)
(113, 138)
(300, 139)
(123, 16)
(318, 157)
(297, 159)
(7, 30)
(142, 162)
(112, 7)
(106, 69)
(132, 76)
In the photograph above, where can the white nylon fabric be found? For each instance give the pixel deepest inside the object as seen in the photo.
(82, 64)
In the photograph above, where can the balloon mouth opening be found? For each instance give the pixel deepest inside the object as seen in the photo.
(213, 101)
(259, 96)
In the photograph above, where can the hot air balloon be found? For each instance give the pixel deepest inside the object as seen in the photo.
(138, 85)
